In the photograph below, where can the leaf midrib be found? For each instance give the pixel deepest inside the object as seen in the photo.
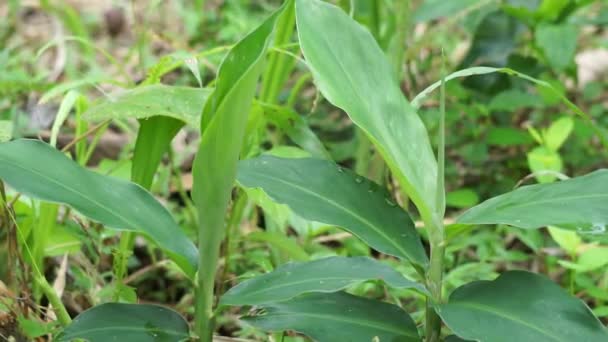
(312, 280)
(491, 310)
(80, 333)
(336, 318)
(72, 190)
(551, 200)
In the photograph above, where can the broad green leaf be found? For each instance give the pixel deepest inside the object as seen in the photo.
(352, 72)
(330, 317)
(578, 203)
(544, 163)
(153, 140)
(558, 42)
(558, 132)
(127, 322)
(519, 306)
(178, 102)
(319, 190)
(324, 275)
(223, 126)
(53, 177)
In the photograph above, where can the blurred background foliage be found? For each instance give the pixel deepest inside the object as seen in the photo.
(502, 131)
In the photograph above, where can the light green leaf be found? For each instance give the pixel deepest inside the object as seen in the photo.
(558, 132)
(578, 203)
(127, 322)
(319, 190)
(324, 275)
(589, 260)
(53, 177)
(566, 239)
(545, 164)
(6, 130)
(62, 114)
(520, 306)
(462, 198)
(558, 42)
(330, 317)
(178, 102)
(352, 72)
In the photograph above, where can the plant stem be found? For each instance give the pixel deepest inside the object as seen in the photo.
(51, 295)
(279, 65)
(209, 241)
(435, 228)
(434, 281)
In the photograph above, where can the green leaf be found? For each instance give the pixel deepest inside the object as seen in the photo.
(338, 317)
(6, 130)
(545, 164)
(519, 306)
(558, 42)
(495, 38)
(566, 239)
(578, 203)
(118, 204)
(62, 114)
(512, 100)
(127, 322)
(462, 198)
(352, 72)
(281, 242)
(434, 9)
(319, 190)
(324, 275)
(589, 260)
(223, 126)
(296, 128)
(558, 132)
(178, 102)
(153, 140)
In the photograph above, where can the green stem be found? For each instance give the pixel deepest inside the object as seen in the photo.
(51, 295)
(279, 65)
(434, 283)
(297, 88)
(210, 239)
(236, 215)
(435, 229)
